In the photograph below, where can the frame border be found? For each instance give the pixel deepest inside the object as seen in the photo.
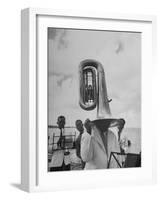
(29, 115)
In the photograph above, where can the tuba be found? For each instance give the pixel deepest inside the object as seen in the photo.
(93, 93)
(92, 88)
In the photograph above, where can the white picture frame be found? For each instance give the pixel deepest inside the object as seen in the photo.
(34, 101)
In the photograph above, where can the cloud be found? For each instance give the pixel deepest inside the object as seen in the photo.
(52, 33)
(119, 47)
(59, 36)
(61, 77)
(63, 43)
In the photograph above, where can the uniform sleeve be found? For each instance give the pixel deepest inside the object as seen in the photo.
(86, 147)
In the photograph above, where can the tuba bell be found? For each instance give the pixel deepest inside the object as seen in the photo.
(92, 88)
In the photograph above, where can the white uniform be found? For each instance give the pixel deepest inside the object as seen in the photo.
(93, 151)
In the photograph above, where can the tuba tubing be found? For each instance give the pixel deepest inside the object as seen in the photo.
(92, 88)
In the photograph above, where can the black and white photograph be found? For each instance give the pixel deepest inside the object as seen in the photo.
(94, 99)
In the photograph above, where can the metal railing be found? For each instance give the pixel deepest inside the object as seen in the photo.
(64, 142)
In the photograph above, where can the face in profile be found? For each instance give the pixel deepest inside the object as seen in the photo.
(79, 126)
(88, 125)
(61, 122)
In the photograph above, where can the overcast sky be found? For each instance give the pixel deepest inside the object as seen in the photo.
(120, 55)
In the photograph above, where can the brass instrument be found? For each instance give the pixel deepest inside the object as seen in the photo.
(93, 93)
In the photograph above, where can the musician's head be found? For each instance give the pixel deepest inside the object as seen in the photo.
(79, 125)
(88, 125)
(61, 121)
